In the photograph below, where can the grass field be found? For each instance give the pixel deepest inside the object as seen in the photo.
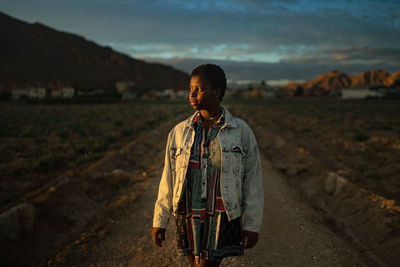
(39, 142)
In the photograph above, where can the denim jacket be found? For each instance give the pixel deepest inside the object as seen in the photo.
(241, 178)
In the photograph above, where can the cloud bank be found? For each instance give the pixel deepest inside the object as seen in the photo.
(251, 39)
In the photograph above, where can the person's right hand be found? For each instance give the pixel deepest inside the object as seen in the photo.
(158, 236)
(249, 239)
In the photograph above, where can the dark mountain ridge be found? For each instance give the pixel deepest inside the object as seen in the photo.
(36, 55)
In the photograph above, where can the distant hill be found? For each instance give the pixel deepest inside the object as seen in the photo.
(327, 83)
(34, 54)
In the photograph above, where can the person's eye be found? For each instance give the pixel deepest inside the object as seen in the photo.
(196, 90)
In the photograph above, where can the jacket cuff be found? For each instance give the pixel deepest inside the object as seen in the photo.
(251, 226)
(160, 222)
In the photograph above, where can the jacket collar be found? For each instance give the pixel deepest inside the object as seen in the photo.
(229, 122)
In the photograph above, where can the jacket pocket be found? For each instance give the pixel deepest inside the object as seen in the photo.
(174, 154)
(235, 160)
(238, 159)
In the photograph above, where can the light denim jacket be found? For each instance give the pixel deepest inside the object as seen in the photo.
(241, 178)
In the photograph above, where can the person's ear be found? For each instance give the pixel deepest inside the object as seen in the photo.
(217, 92)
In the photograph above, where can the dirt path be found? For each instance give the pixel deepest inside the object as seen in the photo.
(292, 234)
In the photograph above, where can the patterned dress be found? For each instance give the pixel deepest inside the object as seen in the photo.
(203, 229)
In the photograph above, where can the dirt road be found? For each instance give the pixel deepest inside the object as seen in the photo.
(292, 234)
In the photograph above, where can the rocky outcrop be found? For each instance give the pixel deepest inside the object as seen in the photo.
(393, 80)
(370, 78)
(331, 82)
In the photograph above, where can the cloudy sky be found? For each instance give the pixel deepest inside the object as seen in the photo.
(252, 40)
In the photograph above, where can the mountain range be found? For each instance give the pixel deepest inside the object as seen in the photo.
(36, 55)
(332, 81)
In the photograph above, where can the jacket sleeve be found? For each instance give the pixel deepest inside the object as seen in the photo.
(253, 192)
(163, 205)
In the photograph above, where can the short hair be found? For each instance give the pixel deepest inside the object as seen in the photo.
(214, 74)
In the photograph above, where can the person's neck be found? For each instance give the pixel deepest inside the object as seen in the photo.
(210, 114)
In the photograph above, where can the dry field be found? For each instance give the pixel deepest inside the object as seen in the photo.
(344, 158)
(40, 143)
(359, 140)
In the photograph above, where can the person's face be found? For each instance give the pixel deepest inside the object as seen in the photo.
(201, 95)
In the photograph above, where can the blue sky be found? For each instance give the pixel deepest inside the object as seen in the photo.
(252, 40)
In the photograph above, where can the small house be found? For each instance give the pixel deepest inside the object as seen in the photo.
(56, 92)
(173, 93)
(129, 95)
(68, 92)
(17, 94)
(124, 86)
(38, 93)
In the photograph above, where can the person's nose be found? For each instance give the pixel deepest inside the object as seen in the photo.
(193, 93)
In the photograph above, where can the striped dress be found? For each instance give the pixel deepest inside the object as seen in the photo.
(203, 229)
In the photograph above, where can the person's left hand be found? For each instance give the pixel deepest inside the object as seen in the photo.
(158, 236)
(249, 239)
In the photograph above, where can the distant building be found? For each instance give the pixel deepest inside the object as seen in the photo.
(361, 93)
(172, 93)
(129, 95)
(90, 93)
(17, 94)
(124, 86)
(41, 93)
(175, 93)
(56, 92)
(68, 92)
(182, 94)
(269, 93)
(38, 93)
(168, 93)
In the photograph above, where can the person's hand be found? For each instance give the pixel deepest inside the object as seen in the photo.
(249, 239)
(158, 236)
